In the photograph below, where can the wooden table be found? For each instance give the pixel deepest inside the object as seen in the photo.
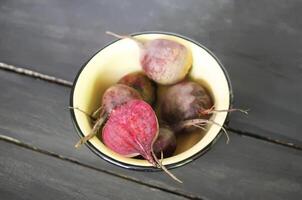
(259, 43)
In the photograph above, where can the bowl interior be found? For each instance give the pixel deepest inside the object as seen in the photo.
(121, 58)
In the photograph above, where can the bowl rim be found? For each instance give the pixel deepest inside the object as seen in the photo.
(149, 168)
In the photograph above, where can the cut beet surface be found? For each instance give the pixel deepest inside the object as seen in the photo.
(131, 130)
(113, 97)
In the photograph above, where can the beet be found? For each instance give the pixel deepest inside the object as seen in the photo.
(142, 84)
(188, 106)
(113, 97)
(131, 130)
(164, 61)
(165, 142)
(185, 100)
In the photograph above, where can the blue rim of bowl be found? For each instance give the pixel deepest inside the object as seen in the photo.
(149, 168)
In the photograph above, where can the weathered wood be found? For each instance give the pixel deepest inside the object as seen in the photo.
(26, 174)
(257, 41)
(36, 112)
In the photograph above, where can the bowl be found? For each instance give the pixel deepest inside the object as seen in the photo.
(121, 57)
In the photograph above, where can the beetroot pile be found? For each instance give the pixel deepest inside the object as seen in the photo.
(127, 122)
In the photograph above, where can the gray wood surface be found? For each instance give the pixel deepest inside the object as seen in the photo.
(259, 43)
(34, 112)
(26, 174)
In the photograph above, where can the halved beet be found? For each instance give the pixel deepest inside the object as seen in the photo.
(131, 130)
(113, 97)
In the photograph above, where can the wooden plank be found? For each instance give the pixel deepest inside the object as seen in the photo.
(57, 37)
(26, 174)
(35, 112)
(258, 46)
(262, 56)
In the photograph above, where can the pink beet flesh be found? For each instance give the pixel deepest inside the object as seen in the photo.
(131, 130)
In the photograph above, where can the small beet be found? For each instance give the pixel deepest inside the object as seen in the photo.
(131, 130)
(113, 97)
(164, 61)
(142, 84)
(165, 142)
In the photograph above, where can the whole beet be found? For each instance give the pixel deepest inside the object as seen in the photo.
(116, 95)
(140, 82)
(185, 100)
(165, 142)
(187, 106)
(164, 61)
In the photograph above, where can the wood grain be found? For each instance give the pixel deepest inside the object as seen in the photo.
(258, 42)
(26, 174)
(34, 112)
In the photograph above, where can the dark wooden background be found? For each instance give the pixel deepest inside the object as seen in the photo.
(259, 43)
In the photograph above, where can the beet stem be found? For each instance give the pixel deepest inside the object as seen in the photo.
(199, 126)
(126, 37)
(95, 113)
(93, 132)
(161, 157)
(84, 112)
(161, 166)
(212, 110)
(199, 122)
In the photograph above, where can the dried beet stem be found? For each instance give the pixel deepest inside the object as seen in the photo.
(161, 157)
(84, 112)
(95, 113)
(199, 126)
(161, 166)
(93, 132)
(212, 110)
(201, 122)
(125, 37)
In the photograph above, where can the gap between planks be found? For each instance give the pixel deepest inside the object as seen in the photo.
(74, 161)
(62, 82)
(35, 74)
(268, 139)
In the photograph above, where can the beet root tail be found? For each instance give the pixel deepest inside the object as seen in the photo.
(161, 166)
(99, 112)
(212, 110)
(93, 132)
(82, 111)
(126, 37)
(200, 123)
